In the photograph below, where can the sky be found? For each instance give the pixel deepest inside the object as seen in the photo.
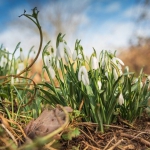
(102, 24)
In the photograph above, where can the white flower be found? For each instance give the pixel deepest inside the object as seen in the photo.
(58, 64)
(21, 55)
(94, 63)
(115, 74)
(127, 69)
(52, 72)
(117, 61)
(79, 56)
(137, 80)
(99, 83)
(21, 66)
(60, 50)
(48, 60)
(121, 99)
(106, 74)
(68, 51)
(103, 63)
(83, 75)
(63, 50)
(148, 77)
(74, 55)
(3, 61)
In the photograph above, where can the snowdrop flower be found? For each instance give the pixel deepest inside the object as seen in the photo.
(136, 80)
(68, 51)
(83, 75)
(79, 56)
(94, 63)
(74, 55)
(99, 83)
(103, 63)
(121, 99)
(21, 66)
(63, 50)
(22, 57)
(106, 74)
(52, 72)
(148, 77)
(3, 61)
(115, 74)
(48, 60)
(117, 62)
(126, 69)
(60, 50)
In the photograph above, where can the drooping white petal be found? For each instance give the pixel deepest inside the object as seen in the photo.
(94, 63)
(120, 61)
(3, 61)
(21, 66)
(148, 77)
(103, 63)
(121, 99)
(48, 60)
(83, 75)
(79, 56)
(74, 55)
(106, 74)
(99, 83)
(58, 64)
(115, 74)
(60, 50)
(68, 51)
(52, 72)
(66, 59)
(85, 80)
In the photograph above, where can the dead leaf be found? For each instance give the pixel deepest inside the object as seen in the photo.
(47, 122)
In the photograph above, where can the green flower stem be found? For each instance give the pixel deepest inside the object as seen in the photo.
(12, 102)
(99, 118)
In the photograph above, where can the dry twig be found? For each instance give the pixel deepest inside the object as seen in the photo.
(89, 138)
(132, 137)
(109, 143)
(111, 148)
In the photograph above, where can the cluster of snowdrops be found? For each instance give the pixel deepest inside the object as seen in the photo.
(96, 86)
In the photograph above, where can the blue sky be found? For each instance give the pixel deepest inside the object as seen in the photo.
(103, 24)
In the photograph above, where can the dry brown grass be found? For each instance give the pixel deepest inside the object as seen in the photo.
(137, 57)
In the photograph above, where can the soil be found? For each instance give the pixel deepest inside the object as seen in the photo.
(120, 136)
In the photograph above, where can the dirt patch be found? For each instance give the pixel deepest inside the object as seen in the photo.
(122, 136)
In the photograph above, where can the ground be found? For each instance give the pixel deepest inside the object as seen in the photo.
(120, 136)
